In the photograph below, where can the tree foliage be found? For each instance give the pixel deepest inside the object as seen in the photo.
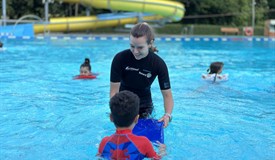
(220, 12)
(226, 12)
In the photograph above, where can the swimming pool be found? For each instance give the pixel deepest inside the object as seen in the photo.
(47, 115)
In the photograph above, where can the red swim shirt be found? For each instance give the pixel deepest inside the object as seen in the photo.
(124, 145)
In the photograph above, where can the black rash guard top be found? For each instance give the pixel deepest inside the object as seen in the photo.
(138, 75)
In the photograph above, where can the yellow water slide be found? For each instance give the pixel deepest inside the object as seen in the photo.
(167, 10)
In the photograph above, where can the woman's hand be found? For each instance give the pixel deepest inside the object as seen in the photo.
(166, 119)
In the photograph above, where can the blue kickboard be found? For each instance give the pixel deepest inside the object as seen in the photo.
(150, 128)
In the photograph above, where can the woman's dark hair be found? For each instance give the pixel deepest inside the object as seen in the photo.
(144, 29)
(86, 64)
(214, 68)
(124, 108)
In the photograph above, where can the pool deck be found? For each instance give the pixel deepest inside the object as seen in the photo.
(125, 36)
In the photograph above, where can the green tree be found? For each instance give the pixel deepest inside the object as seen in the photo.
(271, 5)
(261, 11)
(224, 12)
(220, 12)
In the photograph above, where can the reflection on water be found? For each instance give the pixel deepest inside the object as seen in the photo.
(47, 115)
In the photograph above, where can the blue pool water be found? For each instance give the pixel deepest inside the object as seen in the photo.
(47, 115)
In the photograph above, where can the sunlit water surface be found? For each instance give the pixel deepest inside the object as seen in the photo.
(47, 115)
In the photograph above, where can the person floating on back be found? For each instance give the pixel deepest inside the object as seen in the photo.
(214, 72)
(123, 144)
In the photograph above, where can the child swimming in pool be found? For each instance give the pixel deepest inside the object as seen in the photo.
(2, 46)
(214, 72)
(85, 68)
(123, 144)
(86, 71)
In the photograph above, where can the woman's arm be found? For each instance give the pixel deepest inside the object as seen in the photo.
(168, 106)
(114, 88)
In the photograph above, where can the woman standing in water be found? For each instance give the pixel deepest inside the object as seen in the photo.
(135, 69)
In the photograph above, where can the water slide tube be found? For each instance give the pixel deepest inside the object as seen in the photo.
(151, 10)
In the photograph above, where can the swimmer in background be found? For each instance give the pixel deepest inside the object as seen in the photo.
(2, 47)
(213, 75)
(214, 72)
(86, 71)
(85, 68)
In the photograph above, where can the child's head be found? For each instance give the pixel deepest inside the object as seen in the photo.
(124, 108)
(85, 68)
(215, 67)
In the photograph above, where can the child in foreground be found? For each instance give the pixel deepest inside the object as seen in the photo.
(123, 144)
(214, 72)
